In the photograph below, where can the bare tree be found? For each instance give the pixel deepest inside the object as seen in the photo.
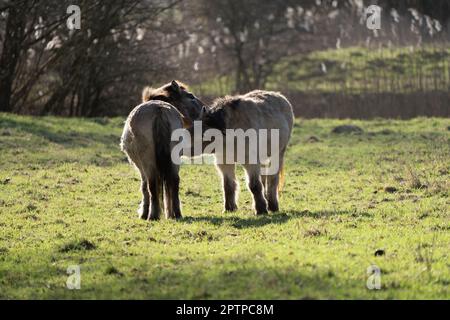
(47, 68)
(256, 34)
(13, 46)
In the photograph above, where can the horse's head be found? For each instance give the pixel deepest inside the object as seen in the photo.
(178, 95)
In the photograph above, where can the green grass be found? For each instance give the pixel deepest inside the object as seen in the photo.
(353, 70)
(68, 197)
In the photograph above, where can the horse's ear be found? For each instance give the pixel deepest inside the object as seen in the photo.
(203, 112)
(175, 86)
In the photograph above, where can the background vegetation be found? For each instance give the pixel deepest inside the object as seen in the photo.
(300, 47)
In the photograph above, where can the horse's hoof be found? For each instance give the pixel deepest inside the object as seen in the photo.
(143, 217)
(142, 213)
(173, 217)
(230, 208)
(261, 208)
(261, 212)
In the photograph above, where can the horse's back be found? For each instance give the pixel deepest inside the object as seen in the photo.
(138, 137)
(267, 110)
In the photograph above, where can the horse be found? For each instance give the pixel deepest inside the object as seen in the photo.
(146, 140)
(257, 110)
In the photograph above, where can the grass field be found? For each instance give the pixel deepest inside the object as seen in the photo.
(68, 197)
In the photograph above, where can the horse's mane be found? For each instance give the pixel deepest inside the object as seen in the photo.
(225, 102)
(216, 114)
(161, 93)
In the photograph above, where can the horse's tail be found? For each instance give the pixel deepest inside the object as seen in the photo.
(162, 145)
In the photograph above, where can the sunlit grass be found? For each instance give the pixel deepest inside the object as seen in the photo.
(68, 197)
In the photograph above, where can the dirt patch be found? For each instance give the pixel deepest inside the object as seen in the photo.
(390, 189)
(113, 271)
(312, 139)
(347, 128)
(77, 245)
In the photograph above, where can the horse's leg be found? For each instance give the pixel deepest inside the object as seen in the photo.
(175, 191)
(155, 189)
(264, 182)
(168, 202)
(272, 186)
(229, 186)
(144, 206)
(172, 189)
(272, 191)
(256, 187)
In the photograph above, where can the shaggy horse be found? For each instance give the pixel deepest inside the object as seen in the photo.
(146, 142)
(254, 110)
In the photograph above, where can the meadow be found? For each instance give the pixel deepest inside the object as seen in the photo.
(353, 70)
(380, 197)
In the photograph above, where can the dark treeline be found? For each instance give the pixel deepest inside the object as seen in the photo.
(218, 46)
(46, 68)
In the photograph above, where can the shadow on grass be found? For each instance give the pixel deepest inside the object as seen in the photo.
(69, 138)
(239, 277)
(263, 220)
